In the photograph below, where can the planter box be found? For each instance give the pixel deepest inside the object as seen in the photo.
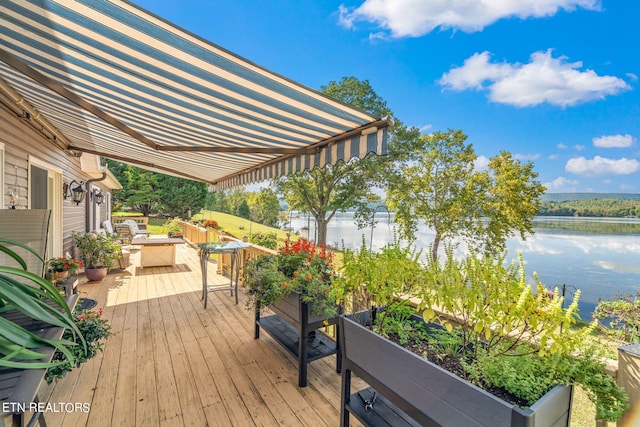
(293, 326)
(410, 390)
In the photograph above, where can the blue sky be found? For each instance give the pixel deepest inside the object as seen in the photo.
(551, 81)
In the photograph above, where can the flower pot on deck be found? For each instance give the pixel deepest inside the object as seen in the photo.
(95, 274)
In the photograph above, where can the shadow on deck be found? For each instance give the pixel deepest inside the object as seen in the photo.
(171, 362)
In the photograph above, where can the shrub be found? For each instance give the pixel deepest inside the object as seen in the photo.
(266, 240)
(210, 223)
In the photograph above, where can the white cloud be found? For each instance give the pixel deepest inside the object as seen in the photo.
(415, 18)
(425, 128)
(481, 163)
(602, 166)
(552, 156)
(561, 146)
(525, 157)
(614, 141)
(562, 184)
(543, 79)
(579, 147)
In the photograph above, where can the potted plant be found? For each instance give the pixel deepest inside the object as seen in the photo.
(296, 285)
(173, 228)
(95, 329)
(61, 268)
(35, 298)
(503, 336)
(98, 253)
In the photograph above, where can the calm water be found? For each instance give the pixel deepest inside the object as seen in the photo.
(601, 256)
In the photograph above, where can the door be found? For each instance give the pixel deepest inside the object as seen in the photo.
(45, 192)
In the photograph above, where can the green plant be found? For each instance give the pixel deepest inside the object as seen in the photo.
(95, 330)
(530, 376)
(376, 278)
(98, 250)
(173, 227)
(39, 300)
(64, 264)
(266, 240)
(299, 267)
(623, 314)
(506, 327)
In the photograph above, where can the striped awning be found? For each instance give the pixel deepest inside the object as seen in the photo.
(117, 81)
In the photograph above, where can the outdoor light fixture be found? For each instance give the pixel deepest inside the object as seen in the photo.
(98, 197)
(76, 193)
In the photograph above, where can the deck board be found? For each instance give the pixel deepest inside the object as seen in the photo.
(170, 362)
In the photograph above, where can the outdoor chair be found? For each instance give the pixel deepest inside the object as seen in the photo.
(137, 228)
(29, 227)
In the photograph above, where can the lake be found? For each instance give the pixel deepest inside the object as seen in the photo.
(600, 256)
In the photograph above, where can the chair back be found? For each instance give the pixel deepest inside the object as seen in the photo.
(29, 227)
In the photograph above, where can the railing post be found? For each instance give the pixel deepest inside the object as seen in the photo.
(629, 378)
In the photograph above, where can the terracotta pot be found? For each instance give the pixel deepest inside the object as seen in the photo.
(60, 274)
(95, 274)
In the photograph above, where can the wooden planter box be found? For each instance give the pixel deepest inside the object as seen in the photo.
(410, 390)
(293, 326)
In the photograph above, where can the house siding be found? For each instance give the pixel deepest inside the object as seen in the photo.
(21, 141)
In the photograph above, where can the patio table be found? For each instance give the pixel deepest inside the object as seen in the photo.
(232, 248)
(19, 387)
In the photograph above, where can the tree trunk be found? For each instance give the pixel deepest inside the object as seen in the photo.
(434, 248)
(321, 224)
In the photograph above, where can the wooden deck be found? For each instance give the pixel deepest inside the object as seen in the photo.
(170, 362)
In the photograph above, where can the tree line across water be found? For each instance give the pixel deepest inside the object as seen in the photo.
(593, 207)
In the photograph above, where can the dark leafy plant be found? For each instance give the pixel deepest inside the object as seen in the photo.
(95, 330)
(623, 314)
(38, 299)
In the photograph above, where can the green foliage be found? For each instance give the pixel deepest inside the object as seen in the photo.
(95, 330)
(492, 302)
(243, 210)
(343, 186)
(396, 320)
(623, 314)
(530, 376)
(266, 240)
(172, 227)
(601, 207)
(35, 298)
(179, 195)
(265, 207)
(377, 278)
(519, 340)
(97, 250)
(437, 182)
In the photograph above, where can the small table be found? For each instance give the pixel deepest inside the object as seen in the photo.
(207, 249)
(157, 252)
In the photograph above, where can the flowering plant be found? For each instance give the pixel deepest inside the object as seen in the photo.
(64, 264)
(210, 223)
(300, 267)
(94, 329)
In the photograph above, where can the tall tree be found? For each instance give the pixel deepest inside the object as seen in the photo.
(343, 186)
(179, 195)
(142, 191)
(437, 182)
(265, 207)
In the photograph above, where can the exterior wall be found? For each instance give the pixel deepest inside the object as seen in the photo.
(22, 143)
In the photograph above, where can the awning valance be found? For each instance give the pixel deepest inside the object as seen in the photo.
(117, 81)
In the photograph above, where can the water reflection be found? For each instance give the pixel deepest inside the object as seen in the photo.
(598, 255)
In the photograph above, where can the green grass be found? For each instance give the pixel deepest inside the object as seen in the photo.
(239, 227)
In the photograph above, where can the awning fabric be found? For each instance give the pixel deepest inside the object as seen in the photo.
(117, 81)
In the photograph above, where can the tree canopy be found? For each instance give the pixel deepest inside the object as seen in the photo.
(438, 182)
(337, 188)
